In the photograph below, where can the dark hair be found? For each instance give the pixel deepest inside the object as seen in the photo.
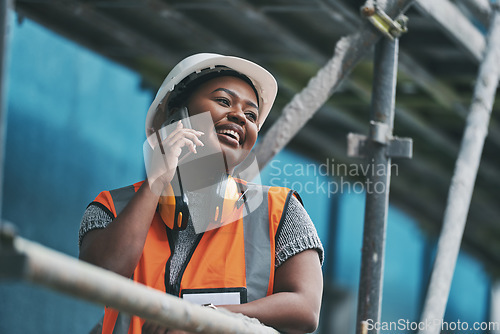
(191, 83)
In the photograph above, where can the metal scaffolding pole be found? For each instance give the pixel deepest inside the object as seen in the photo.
(462, 183)
(377, 201)
(23, 259)
(4, 33)
(494, 320)
(378, 148)
(348, 52)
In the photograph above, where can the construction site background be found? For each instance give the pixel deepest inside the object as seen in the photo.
(75, 127)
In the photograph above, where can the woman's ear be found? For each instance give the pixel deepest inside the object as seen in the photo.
(161, 115)
(149, 131)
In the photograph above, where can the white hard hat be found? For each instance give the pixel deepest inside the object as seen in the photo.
(263, 81)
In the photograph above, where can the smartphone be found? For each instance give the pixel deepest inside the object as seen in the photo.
(181, 114)
(181, 199)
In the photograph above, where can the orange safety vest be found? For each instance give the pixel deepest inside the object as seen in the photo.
(234, 259)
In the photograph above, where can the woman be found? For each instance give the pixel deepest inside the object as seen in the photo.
(274, 271)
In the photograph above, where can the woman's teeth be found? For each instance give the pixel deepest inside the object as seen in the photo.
(231, 133)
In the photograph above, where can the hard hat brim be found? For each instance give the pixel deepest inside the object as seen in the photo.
(263, 81)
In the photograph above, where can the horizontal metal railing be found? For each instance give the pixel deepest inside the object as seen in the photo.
(24, 259)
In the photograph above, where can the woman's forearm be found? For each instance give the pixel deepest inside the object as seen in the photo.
(295, 303)
(118, 247)
(287, 311)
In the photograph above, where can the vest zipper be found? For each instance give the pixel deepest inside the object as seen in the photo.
(177, 284)
(171, 244)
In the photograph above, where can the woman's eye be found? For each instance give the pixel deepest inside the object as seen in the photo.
(223, 101)
(252, 116)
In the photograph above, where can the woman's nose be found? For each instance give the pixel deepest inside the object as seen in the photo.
(237, 116)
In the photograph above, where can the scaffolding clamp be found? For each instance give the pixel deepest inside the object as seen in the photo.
(380, 132)
(384, 23)
(357, 145)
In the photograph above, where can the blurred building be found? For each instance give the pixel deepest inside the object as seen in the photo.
(75, 127)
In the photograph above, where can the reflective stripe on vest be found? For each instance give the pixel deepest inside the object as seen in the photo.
(122, 323)
(259, 248)
(121, 197)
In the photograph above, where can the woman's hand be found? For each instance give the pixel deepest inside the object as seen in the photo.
(162, 161)
(295, 304)
(152, 328)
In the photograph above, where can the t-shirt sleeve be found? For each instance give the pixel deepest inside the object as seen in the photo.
(94, 217)
(297, 234)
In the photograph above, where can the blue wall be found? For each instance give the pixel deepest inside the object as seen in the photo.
(407, 266)
(75, 127)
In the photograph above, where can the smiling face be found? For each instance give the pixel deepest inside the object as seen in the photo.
(233, 106)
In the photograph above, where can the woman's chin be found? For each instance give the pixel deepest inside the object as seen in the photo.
(233, 157)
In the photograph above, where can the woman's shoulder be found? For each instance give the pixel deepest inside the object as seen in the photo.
(297, 233)
(135, 186)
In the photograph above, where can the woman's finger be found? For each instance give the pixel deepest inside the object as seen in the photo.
(183, 133)
(161, 330)
(181, 140)
(152, 328)
(192, 135)
(189, 144)
(176, 144)
(149, 328)
(180, 127)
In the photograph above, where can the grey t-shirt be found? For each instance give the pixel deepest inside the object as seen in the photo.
(297, 234)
